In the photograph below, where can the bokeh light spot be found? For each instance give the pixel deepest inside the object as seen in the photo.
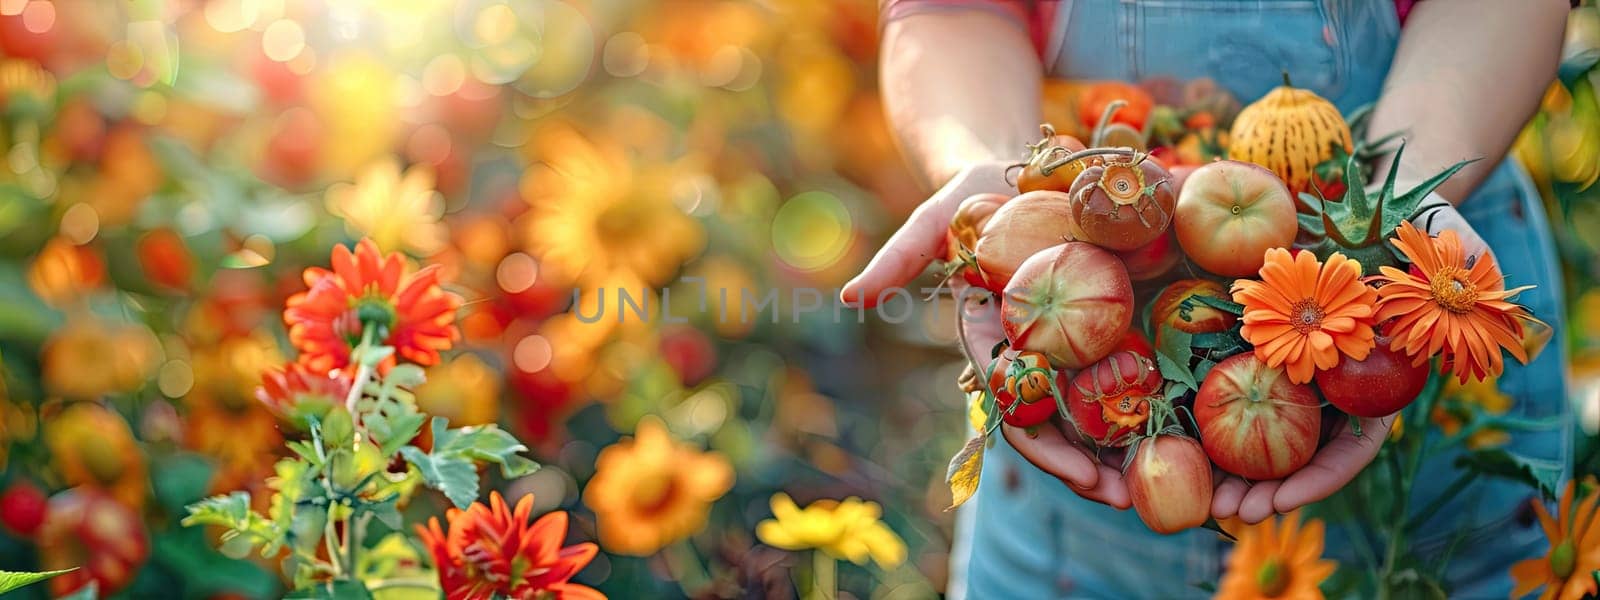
(811, 231)
(80, 223)
(532, 353)
(517, 272)
(444, 75)
(39, 16)
(625, 55)
(124, 60)
(228, 16)
(150, 107)
(11, 8)
(495, 24)
(175, 379)
(283, 40)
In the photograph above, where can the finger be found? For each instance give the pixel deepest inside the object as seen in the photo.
(1225, 500)
(1333, 466)
(1111, 489)
(1050, 451)
(980, 318)
(908, 251)
(1257, 504)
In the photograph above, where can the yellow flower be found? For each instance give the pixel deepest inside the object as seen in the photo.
(1276, 558)
(1456, 412)
(652, 490)
(400, 212)
(593, 211)
(1564, 572)
(849, 530)
(93, 446)
(463, 390)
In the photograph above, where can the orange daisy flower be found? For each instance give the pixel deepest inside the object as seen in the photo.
(294, 392)
(1276, 558)
(367, 288)
(1450, 304)
(492, 552)
(1303, 314)
(1574, 552)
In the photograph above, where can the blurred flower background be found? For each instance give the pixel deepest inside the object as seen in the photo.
(171, 166)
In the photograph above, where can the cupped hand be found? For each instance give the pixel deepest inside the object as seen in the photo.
(1342, 458)
(922, 238)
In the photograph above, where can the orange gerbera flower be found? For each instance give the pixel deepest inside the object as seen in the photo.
(654, 490)
(1451, 304)
(1304, 313)
(1574, 552)
(367, 288)
(1276, 559)
(294, 392)
(492, 552)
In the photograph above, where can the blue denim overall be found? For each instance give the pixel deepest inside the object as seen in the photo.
(1026, 536)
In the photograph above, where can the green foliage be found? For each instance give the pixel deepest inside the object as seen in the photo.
(10, 580)
(245, 528)
(1498, 462)
(1360, 224)
(450, 467)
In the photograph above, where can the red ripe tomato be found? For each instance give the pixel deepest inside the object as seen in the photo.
(1253, 422)
(1152, 260)
(1072, 302)
(1123, 204)
(1037, 403)
(1033, 178)
(968, 222)
(1135, 342)
(1167, 308)
(1095, 99)
(1110, 400)
(1381, 385)
(1230, 213)
(1020, 228)
(22, 508)
(1169, 482)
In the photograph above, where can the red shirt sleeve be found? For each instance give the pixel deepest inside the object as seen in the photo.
(1034, 16)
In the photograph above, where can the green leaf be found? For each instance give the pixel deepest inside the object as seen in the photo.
(404, 375)
(392, 431)
(486, 443)
(1175, 344)
(451, 474)
(966, 468)
(338, 432)
(1498, 462)
(232, 511)
(10, 580)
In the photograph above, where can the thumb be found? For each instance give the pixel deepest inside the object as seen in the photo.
(908, 251)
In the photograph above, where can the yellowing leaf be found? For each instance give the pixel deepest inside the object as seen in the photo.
(965, 469)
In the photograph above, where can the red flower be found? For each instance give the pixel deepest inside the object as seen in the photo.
(295, 392)
(492, 551)
(366, 288)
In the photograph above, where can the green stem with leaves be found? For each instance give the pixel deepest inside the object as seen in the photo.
(363, 369)
(824, 578)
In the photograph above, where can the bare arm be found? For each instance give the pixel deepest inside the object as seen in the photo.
(960, 87)
(1466, 76)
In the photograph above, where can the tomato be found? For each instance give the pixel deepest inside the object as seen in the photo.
(1072, 302)
(22, 508)
(1152, 260)
(1169, 482)
(1135, 342)
(1092, 105)
(1253, 422)
(1381, 385)
(1021, 227)
(1037, 404)
(1033, 178)
(1167, 308)
(1123, 204)
(968, 221)
(1230, 213)
(1110, 400)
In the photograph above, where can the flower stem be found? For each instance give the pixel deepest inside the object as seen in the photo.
(684, 562)
(362, 371)
(824, 584)
(415, 584)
